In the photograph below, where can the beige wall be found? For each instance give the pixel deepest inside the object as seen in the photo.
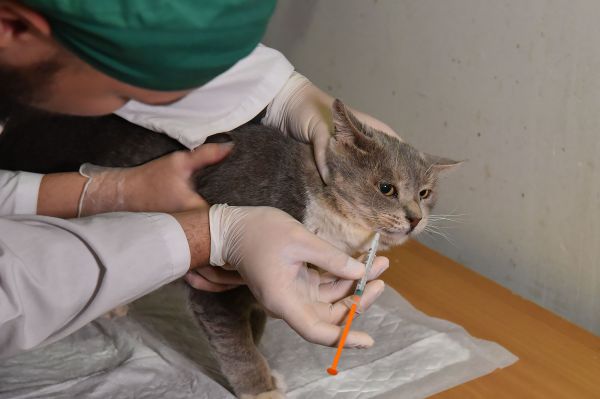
(513, 86)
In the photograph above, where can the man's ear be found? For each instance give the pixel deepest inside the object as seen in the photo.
(19, 23)
(347, 129)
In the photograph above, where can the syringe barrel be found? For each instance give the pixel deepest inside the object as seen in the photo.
(360, 287)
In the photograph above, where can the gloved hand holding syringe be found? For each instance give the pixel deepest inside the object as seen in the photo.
(360, 287)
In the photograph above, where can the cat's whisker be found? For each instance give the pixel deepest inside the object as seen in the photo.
(446, 220)
(442, 229)
(436, 228)
(454, 218)
(432, 228)
(429, 234)
(445, 228)
(435, 217)
(450, 215)
(442, 235)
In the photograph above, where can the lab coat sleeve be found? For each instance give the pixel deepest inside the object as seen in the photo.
(19, 192)
(57, 275)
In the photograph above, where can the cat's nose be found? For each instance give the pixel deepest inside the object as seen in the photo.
(413, 221)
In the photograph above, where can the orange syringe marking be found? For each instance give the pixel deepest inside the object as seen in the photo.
(333, 369)
(360, 288)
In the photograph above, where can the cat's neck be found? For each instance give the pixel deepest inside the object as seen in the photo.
(323, 217)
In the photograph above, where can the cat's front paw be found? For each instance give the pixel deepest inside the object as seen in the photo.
(266, 395)
(278, 393)
(278, 381)
(119, 311)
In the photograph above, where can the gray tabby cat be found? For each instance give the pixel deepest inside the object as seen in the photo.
(378, 182)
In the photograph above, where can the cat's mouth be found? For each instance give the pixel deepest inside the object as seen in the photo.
(394, 232)
(399, 232)
(393, 237)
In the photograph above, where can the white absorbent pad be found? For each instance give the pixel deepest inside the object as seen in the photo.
(158, 352)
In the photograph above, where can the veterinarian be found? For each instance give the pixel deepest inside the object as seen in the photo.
(189, 69)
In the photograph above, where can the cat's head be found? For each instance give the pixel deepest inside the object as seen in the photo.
(378, 181)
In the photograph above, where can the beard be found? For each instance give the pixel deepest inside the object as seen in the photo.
(21, 87)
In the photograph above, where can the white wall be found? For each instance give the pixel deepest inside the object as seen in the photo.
(513, 86)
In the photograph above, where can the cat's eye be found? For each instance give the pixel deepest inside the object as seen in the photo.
(387, 189)
(424, 194)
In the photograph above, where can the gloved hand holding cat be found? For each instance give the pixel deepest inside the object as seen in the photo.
(270, 250)
(303, 111)
(136, 189)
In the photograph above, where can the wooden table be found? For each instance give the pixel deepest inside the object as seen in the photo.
(557, 358)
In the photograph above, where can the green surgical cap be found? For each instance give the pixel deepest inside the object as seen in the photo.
(158, 44)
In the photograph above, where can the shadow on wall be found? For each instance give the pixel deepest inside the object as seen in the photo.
(292, 23)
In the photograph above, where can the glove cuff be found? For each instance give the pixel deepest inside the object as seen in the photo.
(83, 172)
(90, 170)
(278, 108)
(102, 192)
(215, 214)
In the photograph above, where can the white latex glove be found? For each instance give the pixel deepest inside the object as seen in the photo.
(161, 185)
(270, 250)
(303, 111)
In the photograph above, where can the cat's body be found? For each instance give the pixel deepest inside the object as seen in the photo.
(265, 168)
(285, 178)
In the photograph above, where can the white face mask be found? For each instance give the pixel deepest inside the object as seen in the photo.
(226, 102)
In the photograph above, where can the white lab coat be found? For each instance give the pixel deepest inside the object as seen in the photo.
(57, 275)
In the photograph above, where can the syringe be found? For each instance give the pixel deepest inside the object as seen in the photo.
(358, 292)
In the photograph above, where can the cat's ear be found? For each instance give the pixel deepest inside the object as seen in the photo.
(347, 129)
(441, 164)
